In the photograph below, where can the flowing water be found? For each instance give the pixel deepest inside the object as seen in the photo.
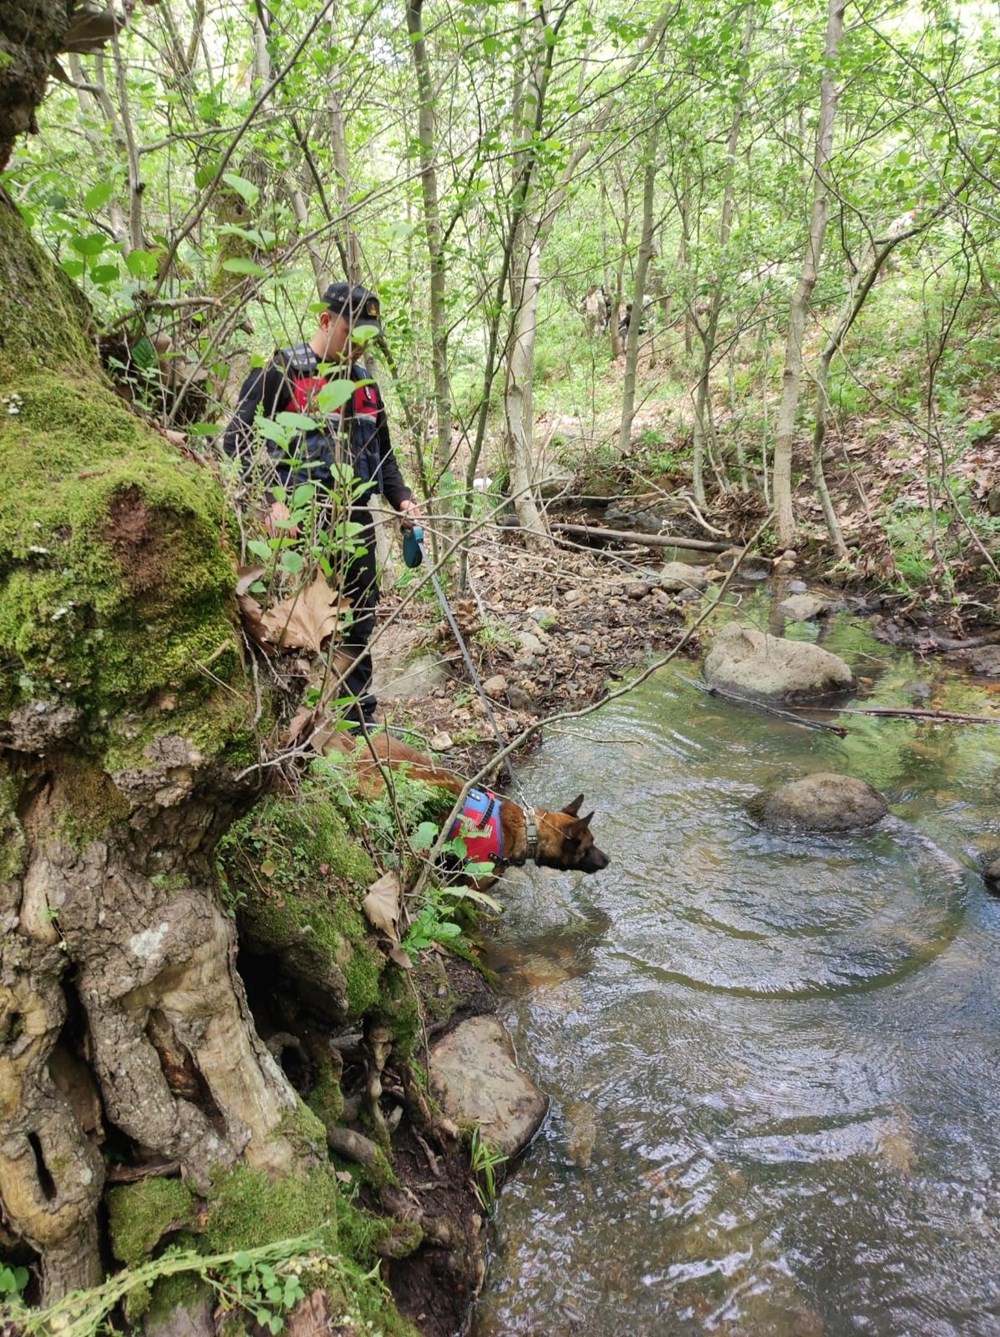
(773, 1060)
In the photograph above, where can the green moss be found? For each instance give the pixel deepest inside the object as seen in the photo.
(297, 880)
(84, 799)
(139, 1214)
(326, 1099)
(13, 842)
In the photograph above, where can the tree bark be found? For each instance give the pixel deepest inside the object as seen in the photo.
(426, 134)
(799, 307)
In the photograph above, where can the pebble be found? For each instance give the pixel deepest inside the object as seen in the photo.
(442, 742)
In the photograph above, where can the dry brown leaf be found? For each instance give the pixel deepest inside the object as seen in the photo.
(253, 621)
(247, 575)
(306, 619)
(382, 905)
(401, 958)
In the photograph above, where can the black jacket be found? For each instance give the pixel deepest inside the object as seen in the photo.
(284, 384)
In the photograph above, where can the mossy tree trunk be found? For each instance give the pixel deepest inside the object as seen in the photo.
(125, 718)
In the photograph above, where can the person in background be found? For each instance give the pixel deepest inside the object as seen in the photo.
(357, 435)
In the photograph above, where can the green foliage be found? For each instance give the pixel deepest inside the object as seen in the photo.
(485, 1160)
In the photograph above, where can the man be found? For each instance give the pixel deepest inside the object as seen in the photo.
(357, 434)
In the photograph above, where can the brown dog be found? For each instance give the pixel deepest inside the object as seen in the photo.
(494, 828)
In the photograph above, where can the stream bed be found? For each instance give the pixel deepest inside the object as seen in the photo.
(773, 1060)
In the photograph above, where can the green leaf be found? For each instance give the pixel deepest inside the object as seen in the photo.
(104, 273)
(74, 268)
(237, 265)
(93, 244)
(242, 1261)
(335, 394)
(141, 264)
(244, 188)
(204, 174)
(203, 428)
(144, 354)
(292, 562)
(297, 422)
(424, 836)
(97, 197)
(303, 495)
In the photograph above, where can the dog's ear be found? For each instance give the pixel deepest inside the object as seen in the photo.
(572, 809)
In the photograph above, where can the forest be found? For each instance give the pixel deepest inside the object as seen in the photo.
(731, 263)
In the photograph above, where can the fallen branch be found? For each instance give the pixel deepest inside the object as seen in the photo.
(940, 716)
(883, 712)
(647, 540)
(788, 715)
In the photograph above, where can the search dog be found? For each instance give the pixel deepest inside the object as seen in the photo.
(494, 828)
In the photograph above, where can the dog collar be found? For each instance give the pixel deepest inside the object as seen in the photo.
(531, 836)
(479, 826)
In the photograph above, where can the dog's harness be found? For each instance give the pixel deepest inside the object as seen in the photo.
(478, 824)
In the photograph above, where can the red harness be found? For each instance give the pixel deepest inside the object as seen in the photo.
(479, 826)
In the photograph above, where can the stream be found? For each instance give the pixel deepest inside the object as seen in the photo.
(773, 1060)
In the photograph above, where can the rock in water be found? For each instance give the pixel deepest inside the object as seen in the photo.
(475, 1080)
(822, 802)
(743, 659)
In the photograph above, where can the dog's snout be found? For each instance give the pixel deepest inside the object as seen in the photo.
(595, 860)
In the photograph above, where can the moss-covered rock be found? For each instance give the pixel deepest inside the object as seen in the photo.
(139, 1215)
(247, 1209)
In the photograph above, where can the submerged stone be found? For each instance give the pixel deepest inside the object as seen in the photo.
(823, 802)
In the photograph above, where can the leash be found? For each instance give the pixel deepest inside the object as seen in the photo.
(414, 555)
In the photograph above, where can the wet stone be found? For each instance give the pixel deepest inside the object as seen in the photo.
(474, 1078)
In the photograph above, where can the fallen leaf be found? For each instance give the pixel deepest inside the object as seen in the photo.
(247, 575)
(253, 621)
(306, 619)
(401, 959)
(382, 905)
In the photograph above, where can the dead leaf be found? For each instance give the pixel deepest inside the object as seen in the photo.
(306, 619)
(382, 905)
(401, 959)
(253, 621)
(247, 576)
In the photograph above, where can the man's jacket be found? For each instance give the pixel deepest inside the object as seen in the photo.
(357, 434)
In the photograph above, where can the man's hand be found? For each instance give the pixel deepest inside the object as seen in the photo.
(411, 512)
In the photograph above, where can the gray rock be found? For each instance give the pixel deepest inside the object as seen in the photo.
(743, 659)
(683, 576)
(797, 587)
(475, 1080)
(803, 607)
(191, 1318)
(420, 677)
(984, 660)
(495, 686)
(530, 644)
(822, 802)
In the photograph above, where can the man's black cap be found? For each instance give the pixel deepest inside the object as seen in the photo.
(356, 304)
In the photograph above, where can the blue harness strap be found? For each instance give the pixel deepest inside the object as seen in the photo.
(479, 826)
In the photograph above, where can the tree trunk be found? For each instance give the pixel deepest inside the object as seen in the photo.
(638, 293)
(426, 135)
(118, 751)
(792, 377)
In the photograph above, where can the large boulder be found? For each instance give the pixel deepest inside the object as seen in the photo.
(822, 802)
(743, 659)
(476, 1081)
